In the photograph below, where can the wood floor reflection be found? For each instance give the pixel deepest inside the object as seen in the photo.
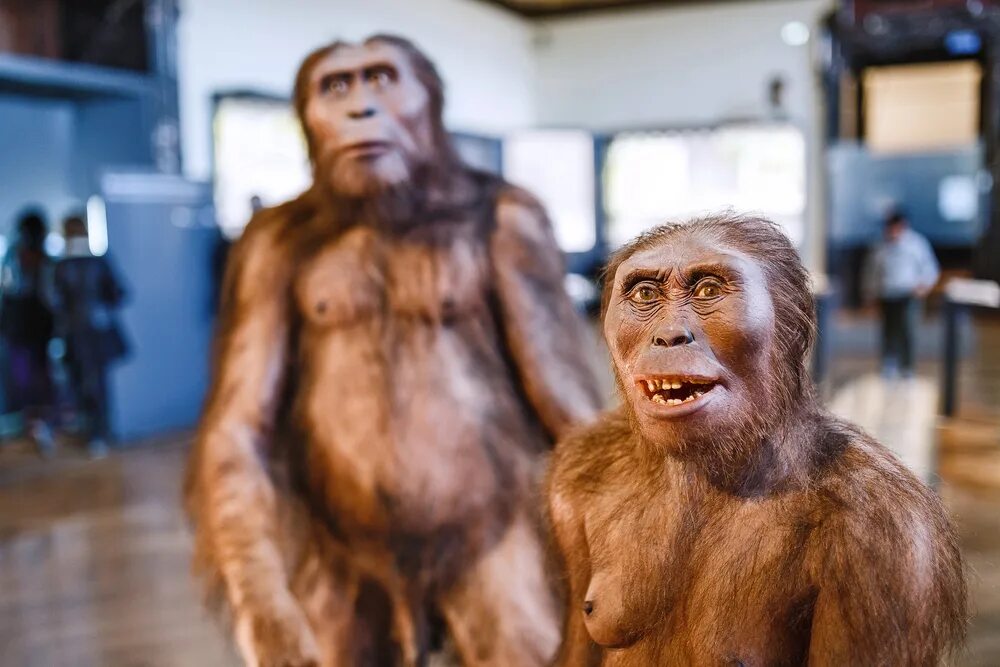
(94, 565)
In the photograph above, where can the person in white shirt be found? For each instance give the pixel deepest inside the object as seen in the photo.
(901, 271)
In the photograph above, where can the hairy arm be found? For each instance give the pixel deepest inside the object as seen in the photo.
(230, 494)
(578, 650)
(891, 589)
(546, 337)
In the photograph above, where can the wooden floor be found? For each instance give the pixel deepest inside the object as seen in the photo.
(94, 555)
(94, 565)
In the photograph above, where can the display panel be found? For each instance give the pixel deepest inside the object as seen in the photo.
(259, 152)
(653, 177)
(557, 166)
(922, 107)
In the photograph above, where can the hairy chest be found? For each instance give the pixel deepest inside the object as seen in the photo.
(364, 277)
(676, 579)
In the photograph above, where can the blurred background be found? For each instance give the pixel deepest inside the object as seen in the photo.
(161, 124)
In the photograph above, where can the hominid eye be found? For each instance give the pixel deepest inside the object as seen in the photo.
(644, 294)
(336, 84)
(708, 289)
(380, 77)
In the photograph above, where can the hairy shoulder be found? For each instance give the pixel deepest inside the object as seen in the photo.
(869, 504)
(517, 210)
(271, 228)
(523, 241)
(589, 454)
(262, 259)
(579, 467)
(515, 195)
(863, 474)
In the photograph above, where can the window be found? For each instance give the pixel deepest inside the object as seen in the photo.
(654, 177)
(259, 152)
(557, 166)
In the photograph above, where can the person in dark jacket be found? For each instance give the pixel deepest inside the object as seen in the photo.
(88, 294)
(26, 327)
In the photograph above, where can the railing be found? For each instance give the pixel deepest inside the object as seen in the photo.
(960, 295)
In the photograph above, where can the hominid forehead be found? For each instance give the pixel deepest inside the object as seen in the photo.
(683, 251)
(357, 57)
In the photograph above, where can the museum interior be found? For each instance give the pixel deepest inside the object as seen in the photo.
(164, 125)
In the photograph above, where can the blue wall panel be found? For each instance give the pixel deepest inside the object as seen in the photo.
(863, 185)
(111, 132)
(161, 238)
(35, 145)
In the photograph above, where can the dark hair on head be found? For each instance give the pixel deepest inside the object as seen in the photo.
(32, 228)
(424, 69)
(788, 281)
(896, 216)
(74, 225)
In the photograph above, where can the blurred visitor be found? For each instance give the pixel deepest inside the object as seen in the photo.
(26, 327)
(901, 271)
(88, 295)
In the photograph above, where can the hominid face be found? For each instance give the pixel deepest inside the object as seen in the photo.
(368, 114)
(690, 327)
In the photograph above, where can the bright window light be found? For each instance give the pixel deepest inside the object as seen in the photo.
(259, 152)
(655, 177)
(557, 166)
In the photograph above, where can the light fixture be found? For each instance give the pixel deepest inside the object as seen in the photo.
(97, 226)
(795, 33)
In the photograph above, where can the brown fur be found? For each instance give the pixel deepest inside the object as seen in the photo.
(821, 548)
(383, 394)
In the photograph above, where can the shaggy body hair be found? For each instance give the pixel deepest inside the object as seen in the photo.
(389, 371)
(785, 538)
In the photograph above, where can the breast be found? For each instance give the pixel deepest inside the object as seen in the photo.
(343, 284)
(611, 619)
(637, 560)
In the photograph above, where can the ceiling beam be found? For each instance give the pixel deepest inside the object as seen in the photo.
(544, 10)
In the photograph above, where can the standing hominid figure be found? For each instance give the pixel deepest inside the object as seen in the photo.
(396, 354)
